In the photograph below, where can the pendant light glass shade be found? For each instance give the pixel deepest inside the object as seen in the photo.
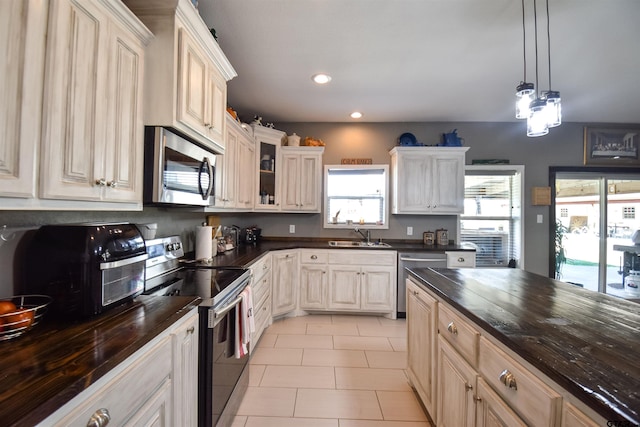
(525, 94)
(553, 109)
(537, 120)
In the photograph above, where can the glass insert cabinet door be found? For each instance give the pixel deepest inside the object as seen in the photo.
(595, 216)
(267, 175)
(268, 164)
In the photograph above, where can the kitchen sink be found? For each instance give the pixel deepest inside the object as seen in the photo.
(357, 244)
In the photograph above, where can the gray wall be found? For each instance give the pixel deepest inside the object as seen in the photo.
(562, 147)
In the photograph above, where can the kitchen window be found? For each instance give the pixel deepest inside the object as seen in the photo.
(356, 195)
(492, 218)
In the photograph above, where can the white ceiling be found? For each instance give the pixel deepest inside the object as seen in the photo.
(426, 60)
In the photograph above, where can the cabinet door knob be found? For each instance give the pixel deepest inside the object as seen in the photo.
(477, 399)
(101, 182)
(191, 330)
(468, 387)
(100, 418)
(314, 256)
(112, 184)
(451, 327)
(460, 259)
(508, 379)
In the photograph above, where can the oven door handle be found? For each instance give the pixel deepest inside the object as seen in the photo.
(227, 308)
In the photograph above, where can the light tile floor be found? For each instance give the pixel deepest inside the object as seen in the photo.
(331, 371)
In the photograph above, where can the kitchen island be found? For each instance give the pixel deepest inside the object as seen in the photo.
(585, 342)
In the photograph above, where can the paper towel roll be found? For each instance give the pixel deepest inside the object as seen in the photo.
(204, 246)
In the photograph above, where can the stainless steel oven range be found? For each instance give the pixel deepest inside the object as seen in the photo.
(223, 375)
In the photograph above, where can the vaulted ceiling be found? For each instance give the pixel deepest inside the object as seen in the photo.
(426, 60)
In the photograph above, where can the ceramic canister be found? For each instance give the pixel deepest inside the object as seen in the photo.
(428, 238)
(442, 237)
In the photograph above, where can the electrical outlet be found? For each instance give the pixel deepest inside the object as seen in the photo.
(539, 218)
(292, 228)
(409, 231)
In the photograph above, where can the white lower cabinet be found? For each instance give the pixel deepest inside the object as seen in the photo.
(574, 417)
(313, 287)
(185, 373)
(157, 385)
(261, 289)
(362, 281)
(456, 388)
(491, 411)
(537, 403)
(422, 333)
(284, 287)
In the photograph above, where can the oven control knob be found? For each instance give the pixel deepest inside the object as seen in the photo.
(177, 246)
(170, 247)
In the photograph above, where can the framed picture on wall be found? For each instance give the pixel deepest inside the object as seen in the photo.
(611, 146)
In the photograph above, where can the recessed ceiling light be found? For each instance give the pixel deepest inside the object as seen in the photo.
(321, 78)
(356, 115)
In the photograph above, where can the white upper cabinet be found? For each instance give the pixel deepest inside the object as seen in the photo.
(187, 72)
(92, 139)
(235, 169)
(428, 180)
(301, 178)
(23, 25)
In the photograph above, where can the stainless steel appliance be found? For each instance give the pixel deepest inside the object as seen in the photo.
(176, 170)
(414, 260)
(222, 378)
(86, 268)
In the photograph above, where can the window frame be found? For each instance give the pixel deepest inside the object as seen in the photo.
(326, 223)
(501, 170)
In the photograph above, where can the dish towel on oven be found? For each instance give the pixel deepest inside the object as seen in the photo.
(245, 324)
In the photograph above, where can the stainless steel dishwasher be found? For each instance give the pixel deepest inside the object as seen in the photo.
(414, 260)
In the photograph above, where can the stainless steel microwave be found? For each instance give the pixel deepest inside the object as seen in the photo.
(176, 170)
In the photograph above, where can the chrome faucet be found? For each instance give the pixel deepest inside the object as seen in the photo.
(366, 236)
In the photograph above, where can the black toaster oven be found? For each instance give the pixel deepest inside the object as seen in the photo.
(86, 268)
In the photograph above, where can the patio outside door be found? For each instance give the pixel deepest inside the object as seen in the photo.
(594, 212)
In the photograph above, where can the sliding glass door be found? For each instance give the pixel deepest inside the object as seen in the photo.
(594, 212)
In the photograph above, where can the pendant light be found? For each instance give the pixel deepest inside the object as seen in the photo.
(537, 120)
(542, 109)
(553, 109)
(524, 91)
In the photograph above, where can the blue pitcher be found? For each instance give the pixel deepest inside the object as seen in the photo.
(451, 139)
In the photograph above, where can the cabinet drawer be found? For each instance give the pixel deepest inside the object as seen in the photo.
(125, 393)
(461, 259)
(260, 267)
(261, 287)
(459, 333)
(262, 313)
(533, 400)
(313, 257)
(368, 257)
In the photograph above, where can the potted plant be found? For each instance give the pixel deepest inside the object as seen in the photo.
(560, 257)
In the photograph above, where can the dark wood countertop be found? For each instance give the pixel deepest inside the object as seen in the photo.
(244, 255)
(588, 343)
(49, 365)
